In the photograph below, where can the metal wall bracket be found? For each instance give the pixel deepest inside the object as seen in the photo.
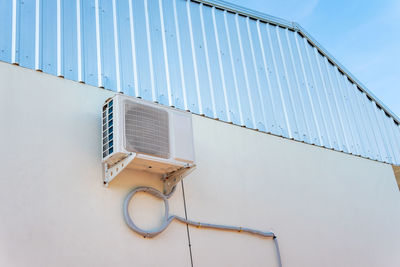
(114, 170)
(171, 179)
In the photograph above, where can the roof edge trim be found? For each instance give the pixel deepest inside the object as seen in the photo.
(247, 12)
(349, 75)
(296, 27)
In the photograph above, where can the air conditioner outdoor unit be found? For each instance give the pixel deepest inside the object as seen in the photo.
(147, 137)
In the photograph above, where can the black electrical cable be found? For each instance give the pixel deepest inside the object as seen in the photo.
(187, 225)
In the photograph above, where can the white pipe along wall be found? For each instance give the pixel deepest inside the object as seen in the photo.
(326, 207)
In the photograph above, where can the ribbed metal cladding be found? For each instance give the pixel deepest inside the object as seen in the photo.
(210, 58)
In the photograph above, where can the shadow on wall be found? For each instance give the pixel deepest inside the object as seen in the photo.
(396, 170)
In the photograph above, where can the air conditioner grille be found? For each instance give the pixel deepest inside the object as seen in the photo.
(146, 130)
(108, 143)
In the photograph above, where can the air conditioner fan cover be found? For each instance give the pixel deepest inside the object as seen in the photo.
(146, 130)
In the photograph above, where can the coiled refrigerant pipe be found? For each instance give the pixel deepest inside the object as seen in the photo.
(168, 219)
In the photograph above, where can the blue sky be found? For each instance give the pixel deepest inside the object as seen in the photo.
(364, 36)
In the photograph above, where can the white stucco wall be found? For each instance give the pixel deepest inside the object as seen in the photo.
(327, 208)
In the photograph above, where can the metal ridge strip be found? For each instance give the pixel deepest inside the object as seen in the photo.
(296, 27)
(247, 12)
(343, 69)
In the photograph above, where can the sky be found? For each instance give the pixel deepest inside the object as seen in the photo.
(364, 36)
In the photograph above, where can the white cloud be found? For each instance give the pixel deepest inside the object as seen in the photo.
(307, 9)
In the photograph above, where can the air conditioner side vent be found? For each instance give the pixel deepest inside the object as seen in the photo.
(147, 130)
(108, 123)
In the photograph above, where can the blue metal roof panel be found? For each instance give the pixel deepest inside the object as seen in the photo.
(209, 57)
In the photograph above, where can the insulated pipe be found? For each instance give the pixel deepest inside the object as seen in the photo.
(168, 219)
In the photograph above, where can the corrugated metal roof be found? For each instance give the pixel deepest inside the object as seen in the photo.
(209, 57)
